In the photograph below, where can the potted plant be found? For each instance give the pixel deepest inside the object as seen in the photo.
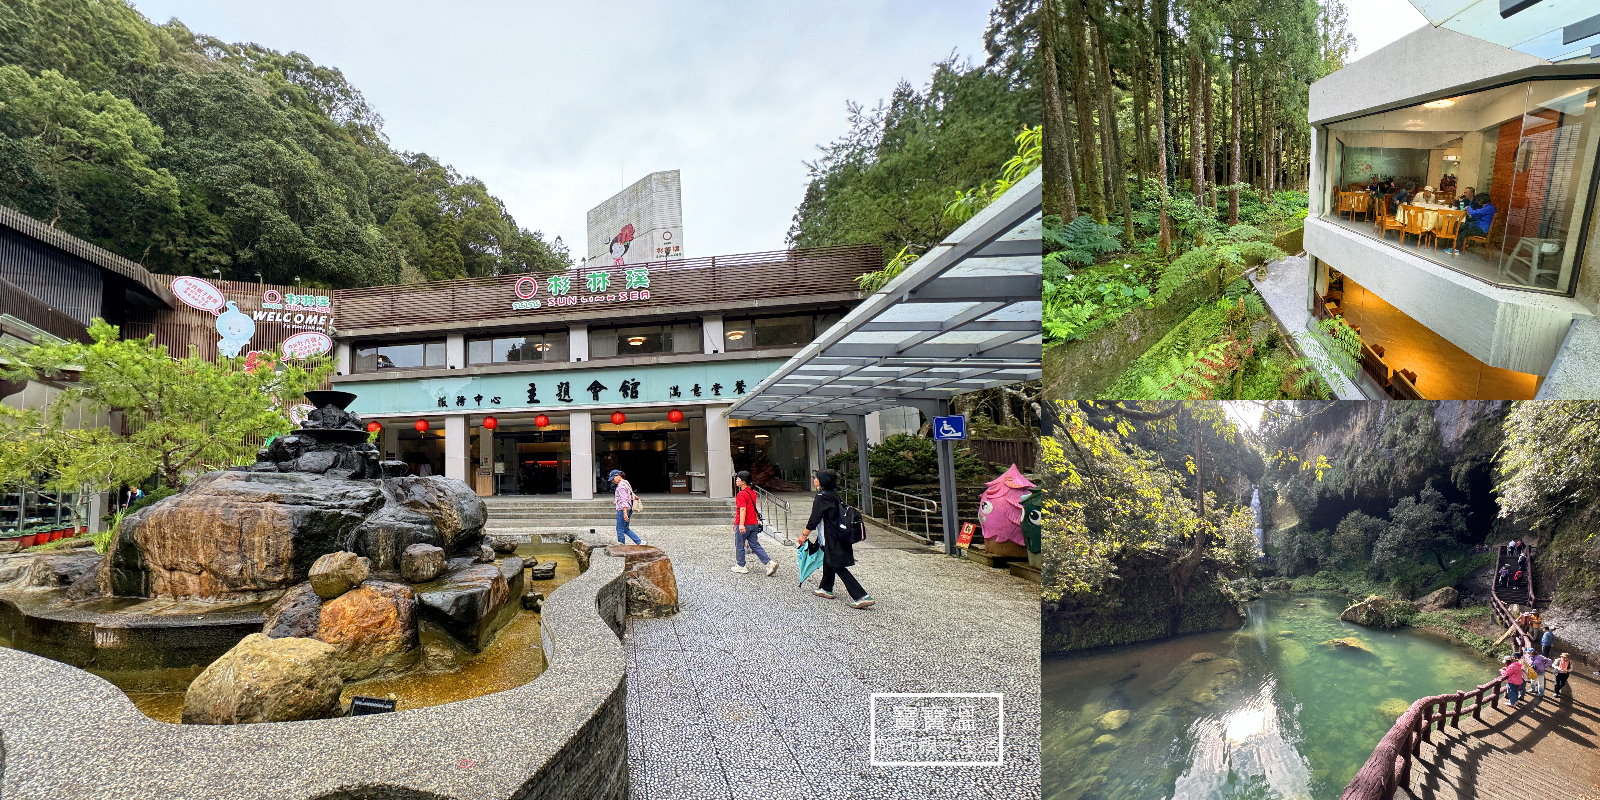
(28, 536)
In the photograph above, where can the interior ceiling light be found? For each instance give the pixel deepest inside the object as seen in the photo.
(635, 340)
(542, 347)
(1439, 104)
(736, 335)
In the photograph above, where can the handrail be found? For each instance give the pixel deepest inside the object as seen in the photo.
(895, 509)
(768, 500)
(1389, 766)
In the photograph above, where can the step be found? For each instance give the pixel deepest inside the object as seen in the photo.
(1025, 571)
(990, 560)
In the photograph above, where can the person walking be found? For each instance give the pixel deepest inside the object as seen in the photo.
(747, 527)
(1504, 577)
(838, 553)
(1538, 664)
(1513, 675)
(1563, 669)
(624, 503)
(1547, 640)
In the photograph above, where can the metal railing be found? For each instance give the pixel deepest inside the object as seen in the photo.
(771, 507)
(910, 514)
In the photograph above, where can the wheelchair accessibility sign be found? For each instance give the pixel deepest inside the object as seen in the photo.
(950, 428)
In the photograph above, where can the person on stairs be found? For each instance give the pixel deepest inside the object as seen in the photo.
(1563, 669)
(1512, 671)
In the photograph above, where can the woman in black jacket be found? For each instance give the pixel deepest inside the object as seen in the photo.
(837, 553)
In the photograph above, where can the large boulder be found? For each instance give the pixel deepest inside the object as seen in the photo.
(1440, 599)
(236, 533)
(373, 628)
(472, 603)
(503, 545)
(421, 510)
(652, 585)
(1378, 611)
(421, 563)
(337, 573)
(266, 680)
(296, 614)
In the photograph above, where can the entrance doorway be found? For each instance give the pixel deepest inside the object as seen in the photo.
(650, 457)
(527, 460)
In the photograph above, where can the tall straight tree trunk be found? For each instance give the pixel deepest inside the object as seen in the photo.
(1141, 98)
(1266, 147)
(1116, 168)
(1233, 175)
(1069, 174)
(1210, 138)
(1090, 177)
(1164, 241)
(1197, 178)
(1060, 197)
(1105, 97)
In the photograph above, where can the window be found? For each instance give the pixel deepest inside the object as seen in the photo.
(1496, 182)
(753, 333)
(542, 346)
(644, 339)
(408, 355)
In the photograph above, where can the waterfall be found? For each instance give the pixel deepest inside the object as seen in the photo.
(1255, 508)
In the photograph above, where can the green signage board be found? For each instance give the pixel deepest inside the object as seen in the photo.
(553, 390)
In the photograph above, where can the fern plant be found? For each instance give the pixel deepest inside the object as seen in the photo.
(1084, 241)
(1189, 377)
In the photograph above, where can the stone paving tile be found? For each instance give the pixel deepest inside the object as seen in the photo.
(757, 688)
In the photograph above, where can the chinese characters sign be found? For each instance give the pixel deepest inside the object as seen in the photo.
(547, 390)
(597, 285)
(937, 729)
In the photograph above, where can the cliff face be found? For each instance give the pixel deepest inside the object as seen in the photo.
(1379, 452)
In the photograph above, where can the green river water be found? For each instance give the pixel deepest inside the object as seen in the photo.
(1267, 711)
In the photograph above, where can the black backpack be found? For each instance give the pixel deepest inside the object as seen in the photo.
(850, 524)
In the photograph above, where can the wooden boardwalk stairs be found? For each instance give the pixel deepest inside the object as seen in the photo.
(1472, 745)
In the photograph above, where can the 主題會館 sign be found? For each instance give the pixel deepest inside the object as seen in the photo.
(552, 390)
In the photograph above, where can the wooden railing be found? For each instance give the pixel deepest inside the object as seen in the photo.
(1022, 452)
(1389, 766)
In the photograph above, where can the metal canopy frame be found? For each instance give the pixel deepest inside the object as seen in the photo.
(963, 317)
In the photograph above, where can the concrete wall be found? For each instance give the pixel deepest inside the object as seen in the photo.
(1502, 327)
(1088, 366)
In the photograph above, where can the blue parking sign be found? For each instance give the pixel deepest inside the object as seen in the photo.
(950, 428)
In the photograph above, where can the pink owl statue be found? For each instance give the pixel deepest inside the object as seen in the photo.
(1000, 509)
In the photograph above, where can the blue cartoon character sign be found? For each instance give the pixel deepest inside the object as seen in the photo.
(236, 328)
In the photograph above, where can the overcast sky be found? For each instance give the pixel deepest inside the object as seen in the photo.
(557, 105)
(1376, 23)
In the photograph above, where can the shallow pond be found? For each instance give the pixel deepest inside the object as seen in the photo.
(1267, 711)
(446, 673)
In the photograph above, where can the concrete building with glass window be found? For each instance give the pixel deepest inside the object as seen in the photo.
(1504, 310)
(541, 384)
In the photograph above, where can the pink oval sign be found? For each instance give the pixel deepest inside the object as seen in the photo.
(198, 293)
(307, 343)
(526, 287)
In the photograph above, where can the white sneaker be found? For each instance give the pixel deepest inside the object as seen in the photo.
(739, 569)
(772, 567)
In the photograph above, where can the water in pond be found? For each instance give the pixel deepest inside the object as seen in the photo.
(448, 672)
(1267, 711)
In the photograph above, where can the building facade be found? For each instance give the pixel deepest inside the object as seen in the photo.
(1469, 299)
(540, 384)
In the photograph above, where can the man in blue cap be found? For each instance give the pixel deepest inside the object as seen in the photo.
(625, 503)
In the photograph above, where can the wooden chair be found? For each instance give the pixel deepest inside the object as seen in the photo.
(1448, 227)
(1403, 386)
(1387, 222)
(1413, 225)
(1497, 233)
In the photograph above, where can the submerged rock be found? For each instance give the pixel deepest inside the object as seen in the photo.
(1113, 720)
(543, 572)
(373, 628)
(652, 585)
(1349, 644)
(266, 680)
(1393, 707)
(421, 563)
(336, 573)
(533, 601)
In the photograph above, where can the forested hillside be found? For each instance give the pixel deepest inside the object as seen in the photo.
(188, 155)
(888, 179)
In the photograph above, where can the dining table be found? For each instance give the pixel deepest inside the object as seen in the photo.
(1431, 213)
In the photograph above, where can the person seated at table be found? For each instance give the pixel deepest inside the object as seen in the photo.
(1373, 187)
(1447, 184)
(1465, 200)
(1400, 198)
(1426, 195)
(1479, 217)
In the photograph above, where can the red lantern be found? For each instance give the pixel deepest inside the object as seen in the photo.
(674, 416)
(617, 418)
(374, 427)
(541, 421)
(490, 422)
(421, 425)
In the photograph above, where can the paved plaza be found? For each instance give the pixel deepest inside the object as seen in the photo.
(759, 689)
